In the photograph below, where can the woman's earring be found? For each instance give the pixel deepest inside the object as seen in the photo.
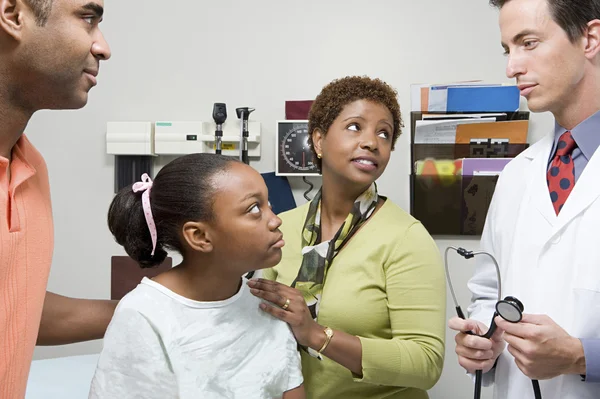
(319, 156)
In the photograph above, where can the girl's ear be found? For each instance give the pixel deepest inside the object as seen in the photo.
(198, 236)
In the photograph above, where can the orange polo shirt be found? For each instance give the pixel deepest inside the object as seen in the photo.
(26, 234)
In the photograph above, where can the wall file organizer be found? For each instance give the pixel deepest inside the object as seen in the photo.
(448, 202)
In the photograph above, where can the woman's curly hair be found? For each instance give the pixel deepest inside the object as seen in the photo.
(341, 92)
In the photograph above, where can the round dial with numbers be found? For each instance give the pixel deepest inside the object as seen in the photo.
(295, 154)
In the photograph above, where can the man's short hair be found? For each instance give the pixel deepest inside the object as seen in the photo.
(571, 15)
(41, 10)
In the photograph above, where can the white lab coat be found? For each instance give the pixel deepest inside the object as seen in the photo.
(551, 263)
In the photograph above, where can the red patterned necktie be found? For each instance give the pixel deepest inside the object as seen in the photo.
(561, 175)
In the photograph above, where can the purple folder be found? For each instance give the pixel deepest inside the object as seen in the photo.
(473, 166)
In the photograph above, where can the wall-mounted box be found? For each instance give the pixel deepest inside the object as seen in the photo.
(129, 138)
(178, 137)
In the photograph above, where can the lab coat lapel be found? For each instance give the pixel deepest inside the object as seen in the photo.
(538, 185)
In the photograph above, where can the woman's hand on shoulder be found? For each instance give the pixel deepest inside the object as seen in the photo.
(288, 304)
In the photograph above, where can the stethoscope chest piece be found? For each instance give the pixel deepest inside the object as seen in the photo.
(510, 309)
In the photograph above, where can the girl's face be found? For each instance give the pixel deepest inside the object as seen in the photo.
(245, 231)
(356, 148)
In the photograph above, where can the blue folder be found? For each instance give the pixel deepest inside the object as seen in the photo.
(483, 99)
(280, 192)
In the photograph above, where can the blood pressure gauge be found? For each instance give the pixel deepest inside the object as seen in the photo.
(294, 156)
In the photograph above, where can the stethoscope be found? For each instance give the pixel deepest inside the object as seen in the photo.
(509, 308)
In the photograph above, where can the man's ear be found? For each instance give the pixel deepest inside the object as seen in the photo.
(198, 236)
(592, 39)
(11, 17)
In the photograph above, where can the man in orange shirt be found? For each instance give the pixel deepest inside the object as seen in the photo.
(50, 52)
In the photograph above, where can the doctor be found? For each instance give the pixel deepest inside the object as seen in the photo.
(542, 225)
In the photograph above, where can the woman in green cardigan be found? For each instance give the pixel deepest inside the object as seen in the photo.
(361, 282)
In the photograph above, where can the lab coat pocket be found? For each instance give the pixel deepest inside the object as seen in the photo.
(586, 314)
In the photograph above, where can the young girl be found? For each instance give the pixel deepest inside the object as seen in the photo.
(196, 331)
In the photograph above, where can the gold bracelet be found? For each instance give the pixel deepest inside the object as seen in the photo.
(328, 335)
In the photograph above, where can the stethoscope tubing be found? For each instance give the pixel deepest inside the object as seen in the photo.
(470, 254)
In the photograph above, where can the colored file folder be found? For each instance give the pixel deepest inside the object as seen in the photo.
(484, 166)
(483, 99)
(513, 131)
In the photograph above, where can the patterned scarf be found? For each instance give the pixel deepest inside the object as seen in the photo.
(316, 258)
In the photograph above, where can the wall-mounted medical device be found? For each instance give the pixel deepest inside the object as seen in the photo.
(132, 143)
(130, 138)
(178, 137)
(293, 155)
(230, 140)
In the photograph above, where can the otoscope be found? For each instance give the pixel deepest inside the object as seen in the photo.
(219, 115)
(244, 114)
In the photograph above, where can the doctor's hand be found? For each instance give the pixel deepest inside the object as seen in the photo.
(541, 348)
(476, 353)
(290, 307)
